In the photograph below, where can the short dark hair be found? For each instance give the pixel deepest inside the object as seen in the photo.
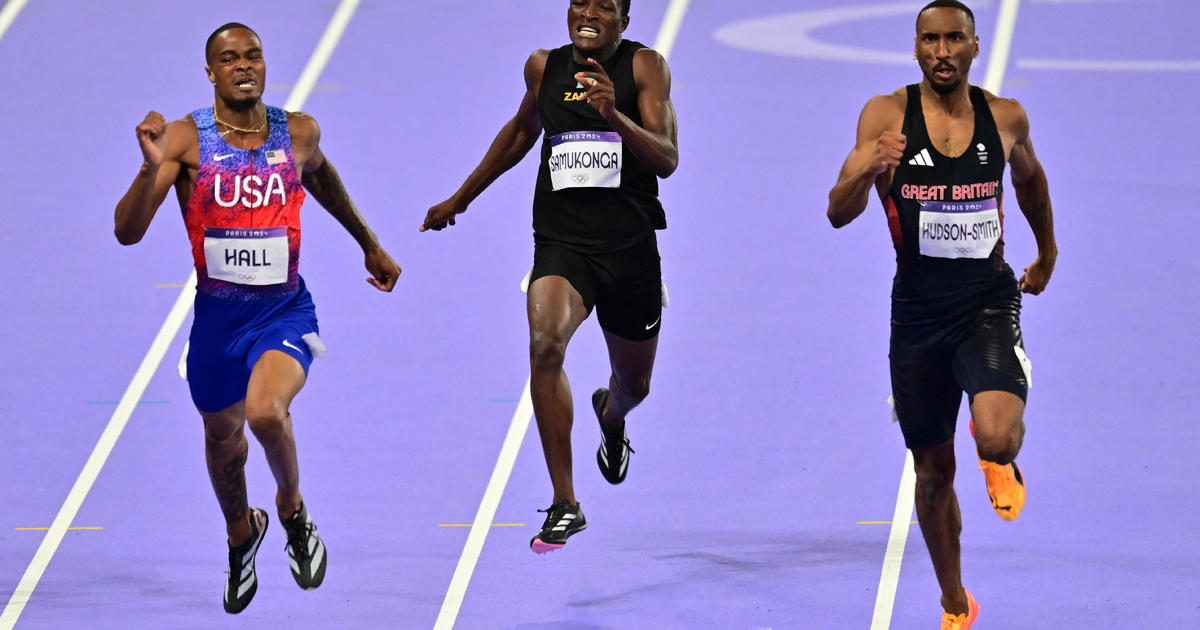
(625, 7)
(949, 4)
(221, 29)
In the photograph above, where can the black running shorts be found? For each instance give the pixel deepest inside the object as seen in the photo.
(624, 286)
(933, 363)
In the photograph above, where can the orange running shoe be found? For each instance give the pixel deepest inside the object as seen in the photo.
(963, 621)
(1005, 485)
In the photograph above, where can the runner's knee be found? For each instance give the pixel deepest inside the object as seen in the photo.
(268, 418)
(547, 351)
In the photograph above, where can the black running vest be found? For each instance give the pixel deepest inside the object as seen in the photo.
(584, 218)
(945, 213)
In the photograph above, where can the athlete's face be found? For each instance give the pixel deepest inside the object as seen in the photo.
(236, 66)
(596, 25)
(946, 44)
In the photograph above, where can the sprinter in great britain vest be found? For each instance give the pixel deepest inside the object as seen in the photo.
(945, 213)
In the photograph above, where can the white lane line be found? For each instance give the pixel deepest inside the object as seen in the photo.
(141, 379)
(1006, 23)
(885, 598)
(486, 512)
(321, 54)
(91, 469)
(664, 43)
(9, 13)
(457, 590)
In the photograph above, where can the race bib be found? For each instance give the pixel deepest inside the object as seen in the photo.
(959, 229)
(253, 256)
(585, 159)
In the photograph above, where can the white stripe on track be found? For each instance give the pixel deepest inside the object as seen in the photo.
(885, 598)
(141, 378)
(9, 13)
(457, 590)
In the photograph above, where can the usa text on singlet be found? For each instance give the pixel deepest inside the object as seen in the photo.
(243, 217)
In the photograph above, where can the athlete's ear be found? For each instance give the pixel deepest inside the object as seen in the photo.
(624, 23)
(212, 78)
(976, 45)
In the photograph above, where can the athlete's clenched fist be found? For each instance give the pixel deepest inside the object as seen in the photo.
(888, 150)
(152, 137)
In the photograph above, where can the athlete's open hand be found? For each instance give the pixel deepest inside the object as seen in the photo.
(888, 150)
(600, 92)
(384, 270)
(1036, 276)
(442, 215)
(152, 136)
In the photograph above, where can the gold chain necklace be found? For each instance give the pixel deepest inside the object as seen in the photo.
(232, 128)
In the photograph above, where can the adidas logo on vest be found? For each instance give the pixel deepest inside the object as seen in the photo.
(922, 159)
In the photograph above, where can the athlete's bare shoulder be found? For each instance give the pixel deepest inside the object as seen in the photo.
(650, 66)
(1009, 114)
(535, 67)
(183, 141)
(883, 112)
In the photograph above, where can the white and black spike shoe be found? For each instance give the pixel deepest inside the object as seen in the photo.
(242, 582)
(305, 549)
(613, 455)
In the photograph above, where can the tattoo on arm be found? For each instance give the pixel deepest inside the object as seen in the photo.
(326, 187)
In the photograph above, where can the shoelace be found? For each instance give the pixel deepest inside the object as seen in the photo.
(624, 440)
(296, 538)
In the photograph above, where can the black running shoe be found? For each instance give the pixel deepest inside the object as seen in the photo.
(306, 550)
(242, 582)
(562, 521)
(613, 456)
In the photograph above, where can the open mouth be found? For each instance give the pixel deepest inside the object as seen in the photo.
(943, 72)
(588, 32)
(245, 83)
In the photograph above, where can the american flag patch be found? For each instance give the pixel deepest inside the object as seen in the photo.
(276, 157)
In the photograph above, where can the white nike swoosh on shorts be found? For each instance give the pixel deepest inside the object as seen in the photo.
(288, 344)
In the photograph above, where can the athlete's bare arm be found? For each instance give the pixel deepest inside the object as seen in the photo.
(510, 146)
(656, 141)
(1033, 191)
(170, 153)
(321, 179)
(877, 150)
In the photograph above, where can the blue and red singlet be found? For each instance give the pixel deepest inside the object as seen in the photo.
(243, 220)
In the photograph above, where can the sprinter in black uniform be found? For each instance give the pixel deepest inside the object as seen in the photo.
(955, 302)
(609, 132)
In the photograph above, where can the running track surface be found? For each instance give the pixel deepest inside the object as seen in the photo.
(766, 440)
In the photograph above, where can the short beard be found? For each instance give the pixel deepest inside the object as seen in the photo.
(944, 88)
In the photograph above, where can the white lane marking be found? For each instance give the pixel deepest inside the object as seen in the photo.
(9, 13)
(885, 598)
(457, 590)
(141, 379)
(664, 43)
(322, 53)
(486, 512)
(1111, 65)
(91, 469)
(889, 577)
(791, 34)
(1006, 23)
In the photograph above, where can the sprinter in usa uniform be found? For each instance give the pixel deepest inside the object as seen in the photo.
(240, 170)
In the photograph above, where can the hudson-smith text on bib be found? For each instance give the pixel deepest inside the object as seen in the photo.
(585, 159)
(254, 256)
(960, 229)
